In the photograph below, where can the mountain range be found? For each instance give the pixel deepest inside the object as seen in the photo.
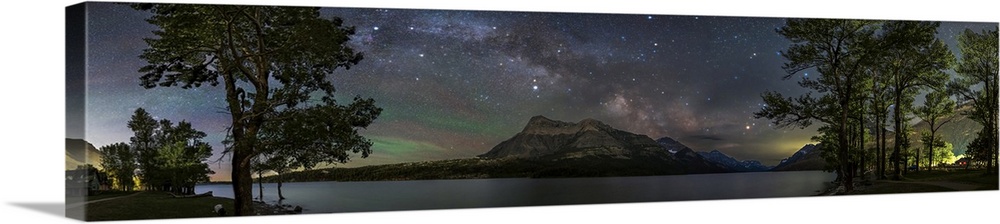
(547, 148)
(716, 157)
(734, 164)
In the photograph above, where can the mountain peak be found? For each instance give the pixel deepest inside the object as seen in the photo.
(546, 137)
(545, 126)
(591, 124)
(539, 118)
(670, 144)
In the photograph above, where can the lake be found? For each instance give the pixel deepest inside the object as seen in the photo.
(327, 197)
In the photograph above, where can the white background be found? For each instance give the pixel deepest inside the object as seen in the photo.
(32, 119)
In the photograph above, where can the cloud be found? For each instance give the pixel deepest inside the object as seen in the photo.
(706, 137)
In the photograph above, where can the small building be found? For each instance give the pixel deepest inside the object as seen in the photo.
(965, 161)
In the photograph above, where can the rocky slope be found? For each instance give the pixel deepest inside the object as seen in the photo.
(809, 157)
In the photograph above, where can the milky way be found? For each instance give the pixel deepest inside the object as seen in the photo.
(455, 83)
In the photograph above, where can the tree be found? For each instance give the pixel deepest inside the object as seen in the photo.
(915, 59)
(183, 165)
(945, 154)
(936, 106)
(837, 49)
(259, 165)
(143, 128)
(294, 138)
(978, 68)
(119, 162)
(267, 58)
(879, 101)
(170, 157)
(280, 164)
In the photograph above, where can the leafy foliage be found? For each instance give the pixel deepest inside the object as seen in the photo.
(119, 161)
(864, 65)
(978, 68)
(838, 50)
(270, 59)
(936, 106)
(167, 156)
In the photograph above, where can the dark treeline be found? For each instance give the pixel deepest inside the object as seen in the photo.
(160, 155)
(478, 168)
(870, 75)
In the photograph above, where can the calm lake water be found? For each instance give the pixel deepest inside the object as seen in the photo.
(326, 197)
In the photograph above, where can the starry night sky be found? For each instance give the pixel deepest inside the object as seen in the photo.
(455, 83)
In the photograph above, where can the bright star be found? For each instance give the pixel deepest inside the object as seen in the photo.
(534, 87)
(376, 28)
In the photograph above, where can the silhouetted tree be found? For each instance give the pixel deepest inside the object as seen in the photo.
(940, 151)
(119, 162)
(143, 127)
(936, 106)
(183, 165)
(169, 157)
(879, 101)
(978, 68)
(914, 59)
(303, 138)
(837, 49)
(268, 59)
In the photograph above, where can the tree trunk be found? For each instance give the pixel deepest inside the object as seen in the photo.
(260, 185)
(991, 163)
(897, 140)
(916, 161)
(930, 150)
(843, 145)
(280, 196)
(242, 180)
(881, 147)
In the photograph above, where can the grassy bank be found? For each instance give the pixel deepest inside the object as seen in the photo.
(107, 194)
(161, 205)
(932, 181)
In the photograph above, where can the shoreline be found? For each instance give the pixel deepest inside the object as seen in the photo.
(264, 208)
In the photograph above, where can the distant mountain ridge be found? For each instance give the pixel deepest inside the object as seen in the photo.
(809, 157)
(734, 164)
(714, 157)
(80, 152)
(547, 148)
